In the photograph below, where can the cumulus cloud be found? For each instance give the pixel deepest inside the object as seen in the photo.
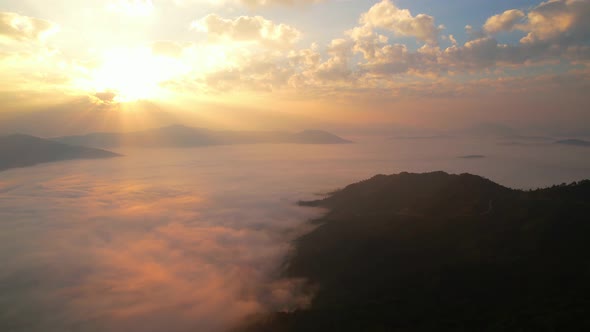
(397, 59)
(506, 21)
(307, 57)
(558, 21)
(552, 21)
(478, 54)
(266, 72)
(453, 40)
(555, 29)
(17, 27)
(366, 56)
(386, 15)
(248, 29)
(334, 69)
(337, 65)
(255, 53)
(366, 41)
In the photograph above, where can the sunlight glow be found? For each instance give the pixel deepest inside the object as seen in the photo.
(133, 74)
(132, 7)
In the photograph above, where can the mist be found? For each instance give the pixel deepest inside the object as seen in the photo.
(173, 244)
(196, 239)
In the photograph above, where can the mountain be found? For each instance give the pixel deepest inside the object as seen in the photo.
(24, 150)
(183, 136)
(472, 156)
(489, 130)
(574, 142)
(83, 115)
(442, 252)
(310, 136)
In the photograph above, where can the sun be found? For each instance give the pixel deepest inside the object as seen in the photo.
(132, 7)
(133, 74)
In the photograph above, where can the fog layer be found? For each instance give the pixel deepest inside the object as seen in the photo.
(194, 239)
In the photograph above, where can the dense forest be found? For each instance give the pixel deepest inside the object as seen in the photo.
(434, 251)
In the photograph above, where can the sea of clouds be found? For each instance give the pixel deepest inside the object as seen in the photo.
(193, 239)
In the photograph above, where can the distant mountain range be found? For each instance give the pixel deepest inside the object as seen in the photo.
(574, 142)
(472, 156)
(24, 150)
(442, 252)
(183, 136)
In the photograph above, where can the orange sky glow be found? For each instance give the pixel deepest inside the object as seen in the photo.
(272, 64)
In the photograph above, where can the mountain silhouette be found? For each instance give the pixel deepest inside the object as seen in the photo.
(442, 252)
(24, 150)
(183, 136)
(574, 142)
(472, 156)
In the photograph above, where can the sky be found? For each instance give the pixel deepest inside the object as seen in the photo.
(81, 65)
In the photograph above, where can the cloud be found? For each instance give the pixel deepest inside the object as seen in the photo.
(337, 68)
(171, 49)
(308, 57)
(558, 21)
(258, 72)
(555, 29)
(253, 3)
(554, 21)
(386, 15)
(106, 97)
(397, 59)
(258, 3)
(506, 21)
(248, 29)
(28, 62)
(253, 53)
(333, 69)
(113, 246)
(17, 27)
(452, 39)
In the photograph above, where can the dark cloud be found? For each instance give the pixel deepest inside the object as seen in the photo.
(106, 97)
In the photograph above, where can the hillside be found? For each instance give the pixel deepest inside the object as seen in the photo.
(183, 136)
(24, 150)
(434, 251)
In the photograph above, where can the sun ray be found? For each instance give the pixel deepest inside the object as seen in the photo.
(132, 74)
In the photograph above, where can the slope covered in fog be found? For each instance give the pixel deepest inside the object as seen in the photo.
(434, 251)
(24, 150)
(183, 136)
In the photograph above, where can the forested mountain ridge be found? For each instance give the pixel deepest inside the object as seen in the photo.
(434, 251)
